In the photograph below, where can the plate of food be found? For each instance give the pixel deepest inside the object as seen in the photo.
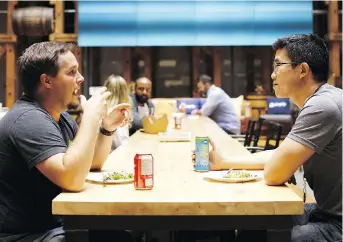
(231, 176)
(110, 177)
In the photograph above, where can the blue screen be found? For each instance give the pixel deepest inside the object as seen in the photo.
(191, 23)
(278, 105)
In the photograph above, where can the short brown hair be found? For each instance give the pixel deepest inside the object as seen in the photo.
(38, 59)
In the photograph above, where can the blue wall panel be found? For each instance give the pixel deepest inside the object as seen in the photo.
(191, 23)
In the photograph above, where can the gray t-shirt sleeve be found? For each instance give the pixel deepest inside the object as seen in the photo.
(315, 126)
(36, 137)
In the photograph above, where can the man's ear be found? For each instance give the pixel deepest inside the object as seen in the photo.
(45, 80)
(305, 69)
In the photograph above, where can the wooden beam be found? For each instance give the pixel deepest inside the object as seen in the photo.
(76, 18)
(338, 81)
(2, 50)
(147, 62)
(10, 39)
(267, 69)
(59, 35)
(207, 51)
(140, 51)
(10, 9)
(335, 37)
(217, 66)
(127, 64)
(10, 75)
(59, 17)
(195, 69)
(249, 53)
(334, 46)
(78, 55)
(77, 50)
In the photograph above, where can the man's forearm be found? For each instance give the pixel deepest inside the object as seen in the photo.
(102, 149)
(255, 161)
(78, 159)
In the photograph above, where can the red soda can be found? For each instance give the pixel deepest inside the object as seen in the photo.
(144, 171)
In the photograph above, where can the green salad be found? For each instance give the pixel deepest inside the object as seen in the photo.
(237, 174)
(117, 176)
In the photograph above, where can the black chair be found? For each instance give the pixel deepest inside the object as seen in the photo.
(252, 134)
(247, 137)
(272, 142)
(257, 131)
(273, 138)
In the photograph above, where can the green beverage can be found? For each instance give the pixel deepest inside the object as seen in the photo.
(202, 153)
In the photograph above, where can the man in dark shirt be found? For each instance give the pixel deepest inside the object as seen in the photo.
(301, 67)
(141, 104)
(42, 151)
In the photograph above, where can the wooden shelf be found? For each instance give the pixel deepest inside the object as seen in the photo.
(63, 37)
(8, 38)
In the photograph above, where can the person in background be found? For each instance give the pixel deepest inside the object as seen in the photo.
(218, 106)
(141, 104)
(43, 152)
(301, 67)
(119, 94)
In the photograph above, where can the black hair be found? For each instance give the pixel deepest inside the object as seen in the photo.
(205, 78)
(308, 48)
(37, 59)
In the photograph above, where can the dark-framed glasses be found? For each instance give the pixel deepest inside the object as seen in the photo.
(277, 64)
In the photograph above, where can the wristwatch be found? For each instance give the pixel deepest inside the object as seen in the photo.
(106, 132)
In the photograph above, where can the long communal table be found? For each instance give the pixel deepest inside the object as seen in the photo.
(181, 199)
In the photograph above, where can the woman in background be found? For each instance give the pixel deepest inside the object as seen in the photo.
(120, 94)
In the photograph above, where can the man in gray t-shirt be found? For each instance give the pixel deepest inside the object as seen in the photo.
(301, 67)
(319, 127)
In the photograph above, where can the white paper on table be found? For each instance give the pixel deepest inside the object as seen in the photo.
(174, 136)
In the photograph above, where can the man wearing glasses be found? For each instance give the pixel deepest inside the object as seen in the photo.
(301, 68)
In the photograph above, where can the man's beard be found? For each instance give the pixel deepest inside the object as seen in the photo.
(74, 105)
(204, 93)
(142, 98)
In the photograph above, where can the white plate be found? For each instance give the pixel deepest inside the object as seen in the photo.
(174, 136)
(193, 116)
(219, 176)
(98, 177)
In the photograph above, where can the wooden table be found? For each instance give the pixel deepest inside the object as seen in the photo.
(181, 198)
